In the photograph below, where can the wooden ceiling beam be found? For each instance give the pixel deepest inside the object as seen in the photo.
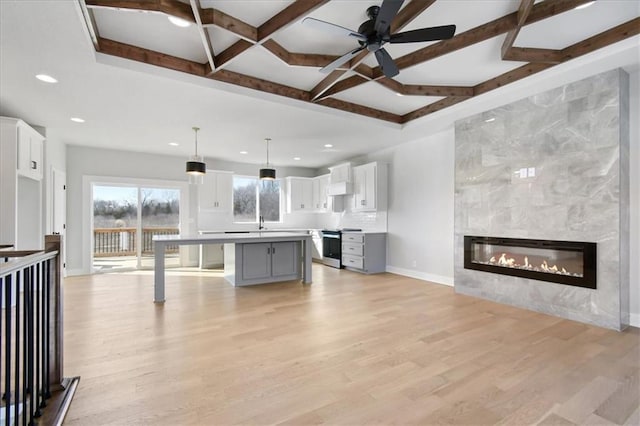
(342, 85)
(510, 77)
(310, 60)
(254, 83)
(361, 110)
(147, 56)
(604, 39)
(391, 84)
(523, 13)
(481, 33)
(448, 91)
(214, 17)
(286, 17)
(364, 70)
(409, 13)
(529, 54)
(326, 83)
(333, 78)
(277, 50)
(169, 7)
(431, 108)
(204, 35)
(232, 52)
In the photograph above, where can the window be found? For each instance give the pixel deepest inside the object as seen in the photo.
(253, 198)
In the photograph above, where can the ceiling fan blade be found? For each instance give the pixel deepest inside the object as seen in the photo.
(424, 34)
(332, 28)
(389, 68)
(341, 60)
(387, 12)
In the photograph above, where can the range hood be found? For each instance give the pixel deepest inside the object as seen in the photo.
(340, 182)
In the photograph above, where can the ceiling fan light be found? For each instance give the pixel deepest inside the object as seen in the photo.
(584, 6)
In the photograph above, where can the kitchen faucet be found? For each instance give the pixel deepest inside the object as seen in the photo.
(261, 223)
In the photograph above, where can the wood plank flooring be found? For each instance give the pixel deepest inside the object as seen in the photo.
(347, 350)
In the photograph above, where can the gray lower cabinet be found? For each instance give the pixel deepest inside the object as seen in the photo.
(259, 263)
(364, 251)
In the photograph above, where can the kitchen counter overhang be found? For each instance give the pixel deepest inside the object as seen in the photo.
(160, 243)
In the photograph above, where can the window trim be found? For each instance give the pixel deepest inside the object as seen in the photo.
(258, 183)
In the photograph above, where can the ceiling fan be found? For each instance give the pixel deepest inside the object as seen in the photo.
(374, 33)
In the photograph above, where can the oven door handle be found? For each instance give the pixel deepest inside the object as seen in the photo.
(335, 237)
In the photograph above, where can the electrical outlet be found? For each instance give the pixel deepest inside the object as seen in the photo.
(414, 263)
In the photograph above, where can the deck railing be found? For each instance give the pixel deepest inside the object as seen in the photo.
(32, 387)
(110, 242)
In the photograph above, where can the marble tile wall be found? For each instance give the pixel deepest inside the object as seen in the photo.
(551, 166)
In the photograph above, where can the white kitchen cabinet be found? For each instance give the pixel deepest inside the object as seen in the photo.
(29, 147)
(21, 207)
(216, 191)
(369, 187)
(321, 200)
(364, 252)
(264, 262)
(299, 194)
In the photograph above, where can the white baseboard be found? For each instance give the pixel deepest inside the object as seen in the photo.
(75, 272)
(438, 279)
(634, 320)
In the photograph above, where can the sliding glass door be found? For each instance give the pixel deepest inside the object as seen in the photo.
(125, 220)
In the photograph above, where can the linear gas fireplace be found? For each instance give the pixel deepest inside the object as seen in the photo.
(564, 262)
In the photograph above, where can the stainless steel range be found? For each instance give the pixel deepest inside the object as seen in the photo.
(332, 246)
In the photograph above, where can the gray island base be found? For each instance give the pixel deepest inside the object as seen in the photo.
(250, 258)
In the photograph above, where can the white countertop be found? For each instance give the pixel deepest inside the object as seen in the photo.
(234, 237)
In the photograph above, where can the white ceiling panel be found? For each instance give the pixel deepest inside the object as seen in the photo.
(221, 39)
(252, 12)
(466, 67)
(151, 30)
(573, 26)
(377, 96)
(258, 62)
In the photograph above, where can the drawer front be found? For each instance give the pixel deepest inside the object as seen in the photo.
(352, 248)
(353, 238)
(353, 261)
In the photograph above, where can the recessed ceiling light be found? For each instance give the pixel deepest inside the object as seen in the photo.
(77, 119)
(296, 158)
(174, 144)
(399, 94)
(46, 78)
(584, 6)
(328, 145)
(179, 22)
(489, 120)
(243, 152)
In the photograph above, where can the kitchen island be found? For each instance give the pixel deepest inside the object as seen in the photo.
(250, 258)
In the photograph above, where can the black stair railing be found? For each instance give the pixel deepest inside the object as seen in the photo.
(31, 337)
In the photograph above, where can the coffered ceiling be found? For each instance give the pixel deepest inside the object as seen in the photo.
(249, 69)
(262, 45)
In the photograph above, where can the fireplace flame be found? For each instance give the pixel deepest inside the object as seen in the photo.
(507, 261)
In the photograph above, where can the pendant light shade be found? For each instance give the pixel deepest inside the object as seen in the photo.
(267, 173)
(196, 167)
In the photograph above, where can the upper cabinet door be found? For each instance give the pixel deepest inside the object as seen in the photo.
(216, 191)
(299, 194)
(29, 151)
(366, 187)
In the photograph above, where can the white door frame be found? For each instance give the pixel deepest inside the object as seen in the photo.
(87, 208)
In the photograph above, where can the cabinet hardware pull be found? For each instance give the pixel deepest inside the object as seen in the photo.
(34, 165)
(273, 250)
(268, 250)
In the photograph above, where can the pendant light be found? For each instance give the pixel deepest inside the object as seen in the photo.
(196, 167)
(267, 173)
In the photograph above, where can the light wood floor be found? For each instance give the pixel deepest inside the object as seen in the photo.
(349, 349)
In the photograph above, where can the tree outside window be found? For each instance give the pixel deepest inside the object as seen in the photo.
(253, 198)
